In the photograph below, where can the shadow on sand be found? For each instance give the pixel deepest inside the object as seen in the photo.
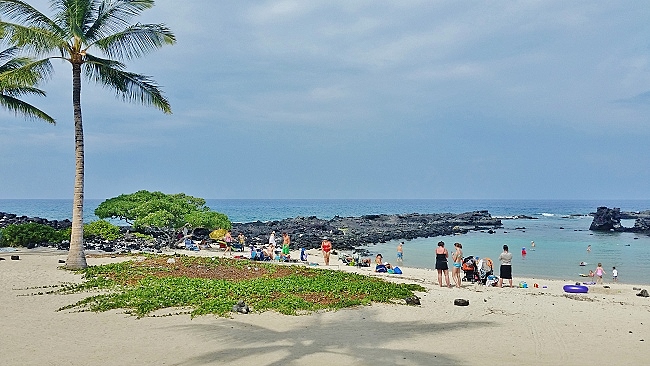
(352, 336)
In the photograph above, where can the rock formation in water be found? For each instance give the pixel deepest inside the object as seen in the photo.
(609, 219)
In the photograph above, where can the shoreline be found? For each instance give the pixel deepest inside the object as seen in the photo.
(512, 326)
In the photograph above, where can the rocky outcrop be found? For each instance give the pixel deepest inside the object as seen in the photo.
(306, 232)
(606, 219)
(352, 232)
(7, 219)
(642, 225)
(632, 215)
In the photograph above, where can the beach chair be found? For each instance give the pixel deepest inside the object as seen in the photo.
(347, 260)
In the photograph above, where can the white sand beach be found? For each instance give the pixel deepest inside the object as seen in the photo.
(508, 326)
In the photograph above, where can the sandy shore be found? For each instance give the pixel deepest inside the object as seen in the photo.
(511, 326)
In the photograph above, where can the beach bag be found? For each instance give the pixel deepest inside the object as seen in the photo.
(397, 270)
(303, 255)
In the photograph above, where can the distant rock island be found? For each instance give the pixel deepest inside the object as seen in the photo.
(609, 219)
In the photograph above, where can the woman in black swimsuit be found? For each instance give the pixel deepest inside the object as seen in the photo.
(441, 263)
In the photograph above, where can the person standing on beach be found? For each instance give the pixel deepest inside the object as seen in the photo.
(441, 263)
(326, 247)
(505, 271)
(614, 274)
(400, 252)
(228, 239)
(286, 242)
(457, 258)
(272, 238)
(599, 273)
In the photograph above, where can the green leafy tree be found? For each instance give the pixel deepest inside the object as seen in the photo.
(165, 212)
(78, 28)
(19, 77)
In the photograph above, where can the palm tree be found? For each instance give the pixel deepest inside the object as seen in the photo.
(19, 77)
(77, 27)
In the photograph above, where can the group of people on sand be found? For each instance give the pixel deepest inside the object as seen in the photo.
(269, 251)
(600, 272)
(441, 266)
(442, 256)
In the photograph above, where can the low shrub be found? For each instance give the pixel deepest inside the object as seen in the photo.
(144, 237)
(27, 235)
(102, 229)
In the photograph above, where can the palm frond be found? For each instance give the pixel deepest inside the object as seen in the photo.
(19, 76)
(8, 53)
(24, 72)
(136, 41)
(75, 16)
(23, 13)
(115, 16)
(36, 40)
(17, 91)
(130, 86)
(20, 107)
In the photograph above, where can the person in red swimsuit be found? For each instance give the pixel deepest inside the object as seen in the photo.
(326, 247)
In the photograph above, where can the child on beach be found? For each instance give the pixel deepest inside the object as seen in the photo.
(599, 273)
(614, 274)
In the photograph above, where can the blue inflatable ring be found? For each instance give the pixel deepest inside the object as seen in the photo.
(576, 289)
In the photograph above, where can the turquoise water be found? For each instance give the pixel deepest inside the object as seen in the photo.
(557, 254)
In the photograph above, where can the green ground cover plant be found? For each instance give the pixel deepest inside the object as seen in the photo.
(214, 285)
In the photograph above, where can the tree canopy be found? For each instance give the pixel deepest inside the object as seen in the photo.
(157, 210)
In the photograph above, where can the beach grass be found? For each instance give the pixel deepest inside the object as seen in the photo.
(145, 284)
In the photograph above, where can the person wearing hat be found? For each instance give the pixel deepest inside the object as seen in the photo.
(326, 247)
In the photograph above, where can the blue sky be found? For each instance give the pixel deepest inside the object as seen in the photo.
(362, 99)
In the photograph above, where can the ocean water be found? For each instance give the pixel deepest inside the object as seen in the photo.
(560, 230)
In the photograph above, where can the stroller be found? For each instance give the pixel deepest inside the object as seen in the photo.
(469, 267)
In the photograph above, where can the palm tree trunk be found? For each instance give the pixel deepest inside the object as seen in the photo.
(76, 257)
